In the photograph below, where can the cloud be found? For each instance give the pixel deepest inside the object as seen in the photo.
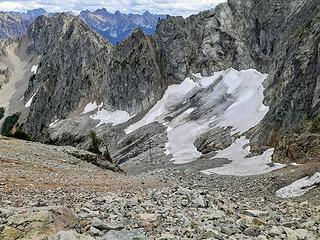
(172, 7)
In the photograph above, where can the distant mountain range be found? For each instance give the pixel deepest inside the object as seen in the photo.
(115, 27)
(30, 15)
(118, 26)
(14, 24)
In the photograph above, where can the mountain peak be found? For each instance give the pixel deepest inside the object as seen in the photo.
(118, 26)
(146, 14)
(36, 11)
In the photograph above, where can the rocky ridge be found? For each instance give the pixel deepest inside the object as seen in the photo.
(15, 24)
(116, 27)
(11, 25)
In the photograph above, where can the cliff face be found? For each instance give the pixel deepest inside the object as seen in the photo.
(276, 37)
(204, 43)
(292, 125)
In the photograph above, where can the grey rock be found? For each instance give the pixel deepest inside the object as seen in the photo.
(255, 213)
(98, 160)
(62, 93)
(94, 231)
(101, 225)
(134, 234)
(252, 231)
(214, 140)
(228, 230)
(72, 235)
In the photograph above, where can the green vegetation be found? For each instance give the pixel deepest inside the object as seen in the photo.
(11, 128)
(8, 124)
(95, 143)
(19, 134)
(107, 155)
(1, 112)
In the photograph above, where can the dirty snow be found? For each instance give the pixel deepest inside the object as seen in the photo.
(248, 108)
(241, 165)
(300, 187)
(173, 97)
(34, 69)
(114, 117)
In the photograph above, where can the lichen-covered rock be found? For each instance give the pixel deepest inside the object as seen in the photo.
(40, 224)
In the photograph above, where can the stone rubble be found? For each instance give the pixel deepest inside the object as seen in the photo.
(167, 213)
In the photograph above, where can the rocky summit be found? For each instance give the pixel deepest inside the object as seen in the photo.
(127, 126)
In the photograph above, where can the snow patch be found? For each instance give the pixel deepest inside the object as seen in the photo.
(114, 117)
(54, 123)
(34, 69)
(181, 138)
(241, 165)
(91, 107)
(299, 187)
(28, 104)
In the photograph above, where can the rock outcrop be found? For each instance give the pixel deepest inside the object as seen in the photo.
(39, 224)
(136, 79)
(292, 88)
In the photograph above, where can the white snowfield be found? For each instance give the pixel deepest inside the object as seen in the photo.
(105, 116)
(114, 117)
(242, 166)
(299, 187)
(229, 98)
(90, 107)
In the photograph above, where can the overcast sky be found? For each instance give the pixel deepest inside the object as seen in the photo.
(173, 7)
